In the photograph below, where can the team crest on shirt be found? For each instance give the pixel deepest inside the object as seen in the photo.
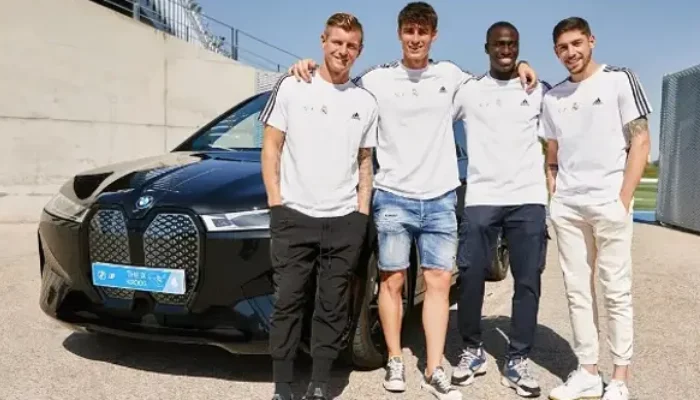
(324, 109)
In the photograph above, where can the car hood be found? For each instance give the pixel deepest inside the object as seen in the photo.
(205, 182)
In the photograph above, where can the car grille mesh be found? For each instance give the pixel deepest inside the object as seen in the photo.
(172, 241)
(109, 242)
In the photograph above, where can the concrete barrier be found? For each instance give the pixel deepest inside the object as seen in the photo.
(83, 86)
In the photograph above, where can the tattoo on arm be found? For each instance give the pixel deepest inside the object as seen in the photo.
(364, 188)
(637, 127)
(273, 141)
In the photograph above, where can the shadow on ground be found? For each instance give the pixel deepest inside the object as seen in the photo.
(191, 360)
(550, 351)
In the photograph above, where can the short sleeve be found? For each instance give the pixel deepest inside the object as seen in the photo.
(368, 79)
(369, 136)
(540, 91)
(459, 104)
(632, 99)
(546, 129)
(275, 111)
(457, 75)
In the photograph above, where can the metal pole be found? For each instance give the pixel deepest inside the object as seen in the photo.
(234, 43)
(136, 9)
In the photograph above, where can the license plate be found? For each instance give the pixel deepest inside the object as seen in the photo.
(160, 280)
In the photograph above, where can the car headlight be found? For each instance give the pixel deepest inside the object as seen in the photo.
(63, 207)
(238, 221)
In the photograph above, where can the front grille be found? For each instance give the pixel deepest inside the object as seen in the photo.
(172, 241)
(109, 242)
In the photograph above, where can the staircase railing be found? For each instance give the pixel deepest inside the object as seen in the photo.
(186, 20)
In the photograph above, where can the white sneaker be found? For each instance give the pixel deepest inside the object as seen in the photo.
(395, 377)
(616, 390)
(580, 385)
(439, 386)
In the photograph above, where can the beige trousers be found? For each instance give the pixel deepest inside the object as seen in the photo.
(596, 239)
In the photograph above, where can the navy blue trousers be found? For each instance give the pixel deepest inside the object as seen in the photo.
(524, 228)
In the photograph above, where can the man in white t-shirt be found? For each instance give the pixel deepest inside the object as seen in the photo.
(415, 198)
(317, 169)
(506, 193)
(598, 144)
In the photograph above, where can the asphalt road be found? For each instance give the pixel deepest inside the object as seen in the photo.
(39, 359)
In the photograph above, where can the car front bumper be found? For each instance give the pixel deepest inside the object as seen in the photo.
(228, 301)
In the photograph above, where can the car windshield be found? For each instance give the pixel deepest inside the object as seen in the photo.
(239, 130)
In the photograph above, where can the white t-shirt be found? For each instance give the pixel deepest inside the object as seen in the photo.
(506, 163)
(325, 125)
(587, 119)
(416, 147)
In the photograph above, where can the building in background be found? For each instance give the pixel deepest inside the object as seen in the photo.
(186, 20)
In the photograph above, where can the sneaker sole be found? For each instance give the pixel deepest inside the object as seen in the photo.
(431, 390)
(481, 371)
(519, 390)
(395, 386)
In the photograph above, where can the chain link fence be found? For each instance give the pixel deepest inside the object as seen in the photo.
(678, 199)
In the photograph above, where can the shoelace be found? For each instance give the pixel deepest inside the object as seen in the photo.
(395, 369)
(615, 387)
(522, 368)
(573, 377)
(441, 381)
(570, 378)
(467, 358)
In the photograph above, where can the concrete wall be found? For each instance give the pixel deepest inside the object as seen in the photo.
(82, 86)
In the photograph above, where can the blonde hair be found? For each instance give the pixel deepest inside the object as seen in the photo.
(346, 22)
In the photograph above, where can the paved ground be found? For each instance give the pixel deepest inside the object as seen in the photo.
(41, 360)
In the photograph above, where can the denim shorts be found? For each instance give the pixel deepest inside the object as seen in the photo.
(431, 223)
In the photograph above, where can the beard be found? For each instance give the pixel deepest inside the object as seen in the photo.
(580, 65)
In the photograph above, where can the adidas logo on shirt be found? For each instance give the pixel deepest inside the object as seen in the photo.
(597, 102)
(443, 90)
(356, 116)
(524, 103)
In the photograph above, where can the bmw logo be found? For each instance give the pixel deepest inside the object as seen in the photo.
(144, 202)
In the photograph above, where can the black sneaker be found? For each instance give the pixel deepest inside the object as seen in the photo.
(283, 392)
(439, 386)
(316, 392)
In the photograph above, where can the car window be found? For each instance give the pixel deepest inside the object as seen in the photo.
(241, 129)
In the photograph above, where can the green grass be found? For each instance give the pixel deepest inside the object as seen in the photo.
(645, 197)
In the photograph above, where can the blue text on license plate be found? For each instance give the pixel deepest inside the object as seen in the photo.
(161, 280)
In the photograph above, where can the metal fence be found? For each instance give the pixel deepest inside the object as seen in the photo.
(678, 201)
(185, 20)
